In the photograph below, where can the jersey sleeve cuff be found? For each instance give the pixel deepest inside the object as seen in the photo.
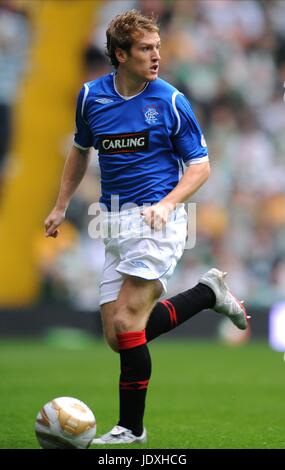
(195, 161)
(80, 146)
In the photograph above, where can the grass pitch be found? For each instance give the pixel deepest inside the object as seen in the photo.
(202, 395)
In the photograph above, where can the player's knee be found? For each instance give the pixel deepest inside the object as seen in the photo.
(125, 319)
(122, 323)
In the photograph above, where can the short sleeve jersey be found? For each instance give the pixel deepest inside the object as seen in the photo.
(141, 141)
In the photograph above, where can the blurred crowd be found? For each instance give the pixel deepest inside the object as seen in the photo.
(14, 46)
(228, 58)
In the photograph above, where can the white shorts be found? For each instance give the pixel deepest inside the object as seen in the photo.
(135, 249)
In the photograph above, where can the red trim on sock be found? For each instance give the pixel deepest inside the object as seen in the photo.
(131, 339)
(138, 385)
(172, 312)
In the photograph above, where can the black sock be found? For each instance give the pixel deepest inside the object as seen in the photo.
(134, 378)
(167, 314)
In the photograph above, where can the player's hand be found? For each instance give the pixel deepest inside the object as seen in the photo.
(54, 220)
(157, 215)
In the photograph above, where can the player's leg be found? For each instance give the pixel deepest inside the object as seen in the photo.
(165, 315)
(135, 302)
(172, 312)
(136, 299)
(211, 292)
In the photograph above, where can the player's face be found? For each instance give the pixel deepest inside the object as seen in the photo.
(142, 62)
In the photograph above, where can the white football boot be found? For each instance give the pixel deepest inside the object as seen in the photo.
(120, 435)
(226, 303)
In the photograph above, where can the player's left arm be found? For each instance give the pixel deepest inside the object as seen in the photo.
(189, 143)
(195, 176)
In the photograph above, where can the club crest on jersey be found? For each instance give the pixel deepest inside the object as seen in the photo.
(122, 143)
(151, 113)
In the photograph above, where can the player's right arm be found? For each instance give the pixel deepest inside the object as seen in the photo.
(75, 166)
(74, 170)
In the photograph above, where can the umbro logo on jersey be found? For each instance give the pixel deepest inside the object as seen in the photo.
(104, 100)
(121, 143)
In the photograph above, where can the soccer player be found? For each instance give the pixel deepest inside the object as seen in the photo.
(143, 129)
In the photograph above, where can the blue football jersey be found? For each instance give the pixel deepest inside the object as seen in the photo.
(141, 140)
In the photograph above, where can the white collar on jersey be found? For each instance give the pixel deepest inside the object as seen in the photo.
(126, 97)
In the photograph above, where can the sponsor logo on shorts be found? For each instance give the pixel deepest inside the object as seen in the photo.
(122, 143)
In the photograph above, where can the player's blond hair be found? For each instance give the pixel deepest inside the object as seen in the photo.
(124, 29)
